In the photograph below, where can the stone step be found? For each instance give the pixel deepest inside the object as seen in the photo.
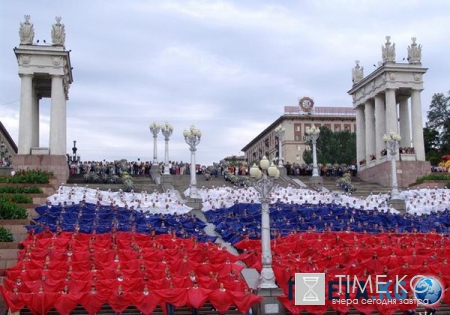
(137, 180)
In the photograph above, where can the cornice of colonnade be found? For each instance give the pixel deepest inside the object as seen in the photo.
(390, 75)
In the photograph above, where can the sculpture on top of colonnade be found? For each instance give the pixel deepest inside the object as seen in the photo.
(26, 32)
(357, 73)
(414, 52)
(388, 51)
(58, 33)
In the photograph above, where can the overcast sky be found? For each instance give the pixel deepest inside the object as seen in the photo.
(228, 67)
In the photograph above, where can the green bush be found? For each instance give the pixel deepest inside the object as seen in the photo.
(20, 198)
(21, 190)
(447, 185)
(11, 211)
(5, 235)
(434, 177)
(28, 177)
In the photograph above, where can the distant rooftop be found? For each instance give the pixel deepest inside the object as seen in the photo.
(321, 111)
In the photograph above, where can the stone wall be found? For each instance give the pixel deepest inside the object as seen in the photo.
(430, 184)
(52, 163)
(407, 173)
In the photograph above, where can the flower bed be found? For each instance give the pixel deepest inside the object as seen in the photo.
(30, 177)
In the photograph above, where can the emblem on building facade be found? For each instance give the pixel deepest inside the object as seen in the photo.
(306, 104)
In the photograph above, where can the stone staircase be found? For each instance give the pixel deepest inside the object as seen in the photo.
(141, 183)
(363, 189)
(182, 182)
(9, 250)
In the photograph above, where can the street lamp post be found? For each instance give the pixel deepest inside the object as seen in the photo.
(166, 131)
(313, 134)
(391, 140)
(75, 157)
(265, 185)
(193, 137)
(154, 129)
(279, 132)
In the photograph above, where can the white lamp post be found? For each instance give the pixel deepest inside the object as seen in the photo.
(313, 134)
(264, 185)
(193, 137)
(166, 131)
(154, 129)
(392, 139)
(279, 132)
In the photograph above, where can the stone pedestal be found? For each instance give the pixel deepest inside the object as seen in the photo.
(270, 305)
(398, 204)
(195, 203)
(51, 163)
(407, 173)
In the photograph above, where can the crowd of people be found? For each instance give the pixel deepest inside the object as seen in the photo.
(168, 202)
(116, 227)
(64, 269)
(133, 168)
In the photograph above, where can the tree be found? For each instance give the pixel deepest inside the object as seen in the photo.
(439, 121)
(307, 156)
(431, 139)
(333, 147)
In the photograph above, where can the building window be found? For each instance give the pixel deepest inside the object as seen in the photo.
(299, 148)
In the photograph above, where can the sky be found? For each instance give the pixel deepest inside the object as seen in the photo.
(227, 67)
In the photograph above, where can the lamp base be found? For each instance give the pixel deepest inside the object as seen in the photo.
(195, 203)
(270, 304)
(398, 204)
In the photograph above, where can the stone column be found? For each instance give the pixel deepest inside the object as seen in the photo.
(58, 117)
(405, 125)
(26, 117)
(35, 120)
(370, 127)
(360, 134)
(391, 111)
(417, 128)
(380, 124)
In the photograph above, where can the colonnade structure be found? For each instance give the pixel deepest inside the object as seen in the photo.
(45, 72)
(389, 100)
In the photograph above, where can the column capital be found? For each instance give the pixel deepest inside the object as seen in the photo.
(25, 75)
